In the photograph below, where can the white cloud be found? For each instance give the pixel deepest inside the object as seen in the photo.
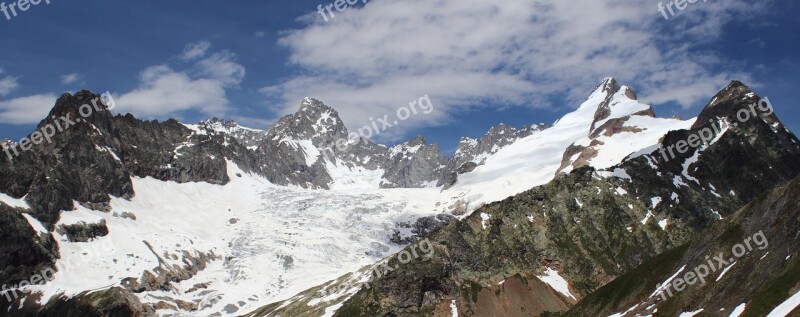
(260, 34)
(164, 92)
(195, 50)
(23, 110)
(70, 78)
(7, 84)
(466, 53)
(26, 110)
(222, 66)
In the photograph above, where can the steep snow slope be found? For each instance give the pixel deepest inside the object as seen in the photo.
(536, 159)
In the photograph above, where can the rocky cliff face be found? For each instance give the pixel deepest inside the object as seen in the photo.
(413, 164)
(312, 147)
(591, 227)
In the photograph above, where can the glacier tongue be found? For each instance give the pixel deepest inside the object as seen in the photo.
(271, 242)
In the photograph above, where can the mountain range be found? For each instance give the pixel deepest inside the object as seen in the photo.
(583, 217)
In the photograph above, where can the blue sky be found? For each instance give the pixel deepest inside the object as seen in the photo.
(481, 63)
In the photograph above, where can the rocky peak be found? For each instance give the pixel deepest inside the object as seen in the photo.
(628, 92)
(413, 163)
(502, 134)
(609, 85)
(315, 105)
(415, 145)
(214, 121)
(734, 89)
(246, 136)
(501, 129)
(727, 102)
(416, 141)
(83, 107)
(464, 146)
(313, 121)
(614, 95)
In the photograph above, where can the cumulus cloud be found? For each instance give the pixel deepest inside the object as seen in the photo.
(471, 53)
(70, 78)
(26, 110)
(164, 92)
(195, 50)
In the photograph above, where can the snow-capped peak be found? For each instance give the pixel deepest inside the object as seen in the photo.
(607, 127)
(608, 86)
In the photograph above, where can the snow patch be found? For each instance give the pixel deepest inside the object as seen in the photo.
(654, 202)
(617, 172)
(14, 202)
(663, 285)
(558, 283)
(690, 314)
(453, 309)
(786, 307)
(725, 270)
(35, 224)
(738, 310)
(484, 218)
(647, 217)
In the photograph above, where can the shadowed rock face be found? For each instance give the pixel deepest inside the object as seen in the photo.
(413, 164)
(23, 252)
(97, 156)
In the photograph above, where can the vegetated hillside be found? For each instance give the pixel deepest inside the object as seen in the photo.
(755, 283)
